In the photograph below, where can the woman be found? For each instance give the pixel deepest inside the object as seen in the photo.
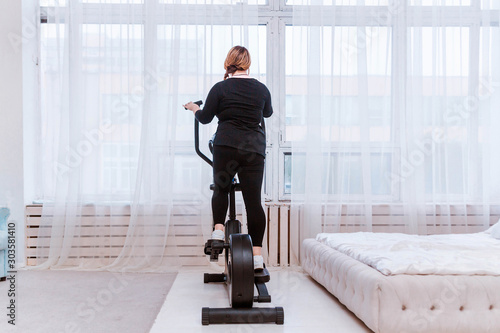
(240, 103)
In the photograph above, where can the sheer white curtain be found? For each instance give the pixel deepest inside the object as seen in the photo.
(120, 176)
(393, 115)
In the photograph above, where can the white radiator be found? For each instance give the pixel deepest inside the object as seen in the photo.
(188, 235)
(283, 227)
(282, 231)
(185, 235)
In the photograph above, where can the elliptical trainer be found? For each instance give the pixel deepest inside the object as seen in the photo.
(239, 275)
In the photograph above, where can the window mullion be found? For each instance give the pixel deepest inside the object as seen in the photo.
(472, 109)
(275, 49)
(399, 73)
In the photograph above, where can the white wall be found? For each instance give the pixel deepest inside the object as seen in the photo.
(11, 116)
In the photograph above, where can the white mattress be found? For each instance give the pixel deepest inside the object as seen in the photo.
(395, 253)
(405, 303)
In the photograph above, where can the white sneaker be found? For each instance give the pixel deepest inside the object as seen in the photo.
(218, 235)
(258, 262)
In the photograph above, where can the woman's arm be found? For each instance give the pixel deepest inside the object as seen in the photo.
(211, 105)
(268, 108)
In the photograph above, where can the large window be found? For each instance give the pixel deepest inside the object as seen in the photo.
(283, 61)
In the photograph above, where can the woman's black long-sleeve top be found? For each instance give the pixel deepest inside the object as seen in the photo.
(240, 105)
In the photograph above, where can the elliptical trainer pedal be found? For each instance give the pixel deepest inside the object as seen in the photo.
(213, 248)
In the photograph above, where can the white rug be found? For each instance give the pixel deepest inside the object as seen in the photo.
(309, 308)
(80, 302)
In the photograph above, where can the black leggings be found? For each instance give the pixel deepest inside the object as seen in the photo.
(250, 168)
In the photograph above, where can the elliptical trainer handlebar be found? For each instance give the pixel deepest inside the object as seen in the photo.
(197, 138)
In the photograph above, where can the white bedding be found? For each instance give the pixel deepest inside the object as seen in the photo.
(396, 253)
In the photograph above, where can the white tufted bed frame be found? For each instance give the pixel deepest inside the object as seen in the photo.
(406, 303)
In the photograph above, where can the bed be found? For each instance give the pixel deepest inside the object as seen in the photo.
(391, 293)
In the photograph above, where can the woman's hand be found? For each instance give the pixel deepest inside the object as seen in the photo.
(192, 107)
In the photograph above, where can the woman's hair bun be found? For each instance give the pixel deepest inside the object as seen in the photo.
(238, 58)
